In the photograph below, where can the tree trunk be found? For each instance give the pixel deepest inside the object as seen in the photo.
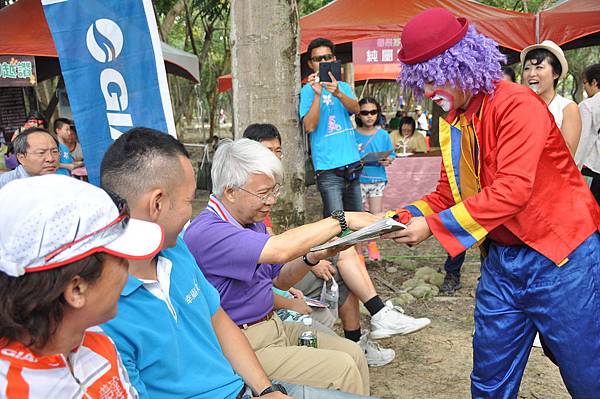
(169, 20)
(265, 66)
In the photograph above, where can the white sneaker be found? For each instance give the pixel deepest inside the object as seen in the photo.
(375, 354)
(391, 320)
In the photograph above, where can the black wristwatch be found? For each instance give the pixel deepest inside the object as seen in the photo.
(273, 388)
(341, 218)
(309, 263)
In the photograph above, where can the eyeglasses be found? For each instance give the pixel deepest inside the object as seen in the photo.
(324, 57)
(123, 219)
(43, 153)
(274, 193)
(370, 112)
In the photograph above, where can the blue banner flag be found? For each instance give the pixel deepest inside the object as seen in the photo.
(111, 60)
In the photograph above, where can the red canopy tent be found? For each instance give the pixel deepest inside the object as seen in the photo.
(571, 24)
(343, 21)
(24, 31)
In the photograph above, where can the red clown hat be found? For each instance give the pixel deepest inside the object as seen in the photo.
(430, 33)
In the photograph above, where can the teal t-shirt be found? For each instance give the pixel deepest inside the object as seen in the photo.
(381, 142)
(170, 357)
(332, 142)
(65, 157)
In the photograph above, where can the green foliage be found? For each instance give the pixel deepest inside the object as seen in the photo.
(531, 6)
(206, 8)
(202, 28)
(307, 6)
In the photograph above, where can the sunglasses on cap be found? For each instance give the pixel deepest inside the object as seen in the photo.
(123, 218)
(324, 57)
(369, 112)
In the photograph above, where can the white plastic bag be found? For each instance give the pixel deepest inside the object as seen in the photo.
(330, 296)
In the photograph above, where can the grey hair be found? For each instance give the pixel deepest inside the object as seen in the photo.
(20, 144)
(235, 161)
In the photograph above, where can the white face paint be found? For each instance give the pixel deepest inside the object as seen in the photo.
(443, 101)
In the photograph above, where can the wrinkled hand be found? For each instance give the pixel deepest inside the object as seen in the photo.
(313, 81)
(299, 305)
(333, 86)
(416, 232)
(358, 220)
(323, 270)
(326, 253)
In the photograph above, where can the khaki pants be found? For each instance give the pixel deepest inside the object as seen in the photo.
(337, 364)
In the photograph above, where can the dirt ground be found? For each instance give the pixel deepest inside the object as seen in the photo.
(435, 362)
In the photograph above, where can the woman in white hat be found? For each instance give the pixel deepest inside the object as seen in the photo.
(543, 65)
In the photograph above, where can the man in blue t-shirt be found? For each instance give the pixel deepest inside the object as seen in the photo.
(325, 109)
(175, 339)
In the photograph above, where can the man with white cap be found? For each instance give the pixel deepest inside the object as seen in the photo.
(507, 178)
(64, 246)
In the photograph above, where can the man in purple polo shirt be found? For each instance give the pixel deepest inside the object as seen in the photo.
(237, 255)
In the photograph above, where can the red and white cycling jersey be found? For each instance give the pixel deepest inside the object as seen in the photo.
(97, 372)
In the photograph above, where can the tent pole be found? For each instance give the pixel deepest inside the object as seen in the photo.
(362, 92)
(537, 28)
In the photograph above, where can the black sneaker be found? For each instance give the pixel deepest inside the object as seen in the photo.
(451, 284)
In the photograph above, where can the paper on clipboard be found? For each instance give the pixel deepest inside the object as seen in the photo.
(374, 157)
(370, 232)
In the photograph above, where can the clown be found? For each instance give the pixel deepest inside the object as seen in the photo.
(507, 182)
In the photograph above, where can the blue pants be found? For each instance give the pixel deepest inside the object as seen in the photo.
(521, 292)
(338, 193)
(306, 392)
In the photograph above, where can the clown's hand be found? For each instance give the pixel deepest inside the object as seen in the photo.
(416, 232)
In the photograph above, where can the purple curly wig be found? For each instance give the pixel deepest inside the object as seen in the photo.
(473, 64)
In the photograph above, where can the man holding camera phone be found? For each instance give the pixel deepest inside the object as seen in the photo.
(325, 108)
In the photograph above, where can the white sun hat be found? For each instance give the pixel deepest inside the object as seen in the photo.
(554, 49)
(54, 220)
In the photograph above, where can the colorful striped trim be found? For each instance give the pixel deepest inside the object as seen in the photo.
(459, 222)
(419, 208)
(450, 142)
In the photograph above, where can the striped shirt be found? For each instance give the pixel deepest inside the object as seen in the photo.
(91, 371)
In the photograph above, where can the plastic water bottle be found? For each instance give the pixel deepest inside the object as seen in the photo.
(308, 335)
(331, 298)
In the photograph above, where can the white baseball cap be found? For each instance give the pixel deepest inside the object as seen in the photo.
(54, 220)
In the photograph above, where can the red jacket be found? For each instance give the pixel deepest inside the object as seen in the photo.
(530, 185)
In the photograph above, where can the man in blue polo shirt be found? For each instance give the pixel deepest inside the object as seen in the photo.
(325, 109)
(173, 336)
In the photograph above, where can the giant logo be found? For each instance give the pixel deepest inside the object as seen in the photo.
(104, 42)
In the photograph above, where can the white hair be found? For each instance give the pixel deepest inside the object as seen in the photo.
(235, 161)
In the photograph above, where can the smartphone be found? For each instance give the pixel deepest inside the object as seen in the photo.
(334, 67)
